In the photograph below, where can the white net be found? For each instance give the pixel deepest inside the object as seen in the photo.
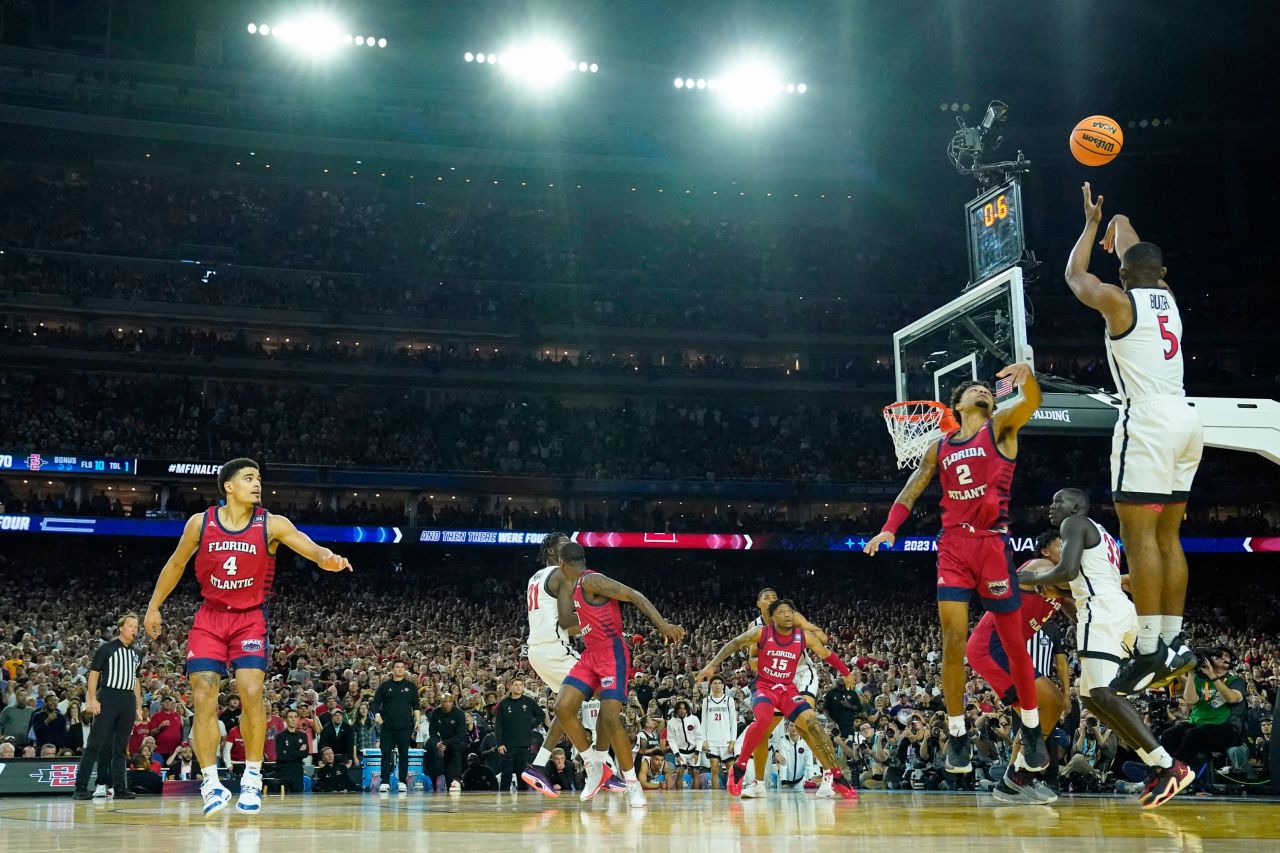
(913, 425)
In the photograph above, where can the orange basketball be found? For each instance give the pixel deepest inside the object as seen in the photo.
(1096, 140)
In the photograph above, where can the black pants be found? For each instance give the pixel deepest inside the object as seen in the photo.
(452, 764)
(397, 739)
(290, 773)
(109, 738)
(1274, 758)
(1185, 740)
(513, 764)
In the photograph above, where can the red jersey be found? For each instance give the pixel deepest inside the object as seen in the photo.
(778, 656)
(601, 623)
(234, 568)
(975, 478)
(1036, 611)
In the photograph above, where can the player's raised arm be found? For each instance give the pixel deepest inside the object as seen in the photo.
(1013, 418)
(282, 530)
(916, 484)
(819, 648)
(1076, 538)
(598, 584)
(172, 573)
(746, 639)
(1107, 299)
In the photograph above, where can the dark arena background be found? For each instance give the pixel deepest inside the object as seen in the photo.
(459, 275)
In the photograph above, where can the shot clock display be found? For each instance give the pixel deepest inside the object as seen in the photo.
(996, 239)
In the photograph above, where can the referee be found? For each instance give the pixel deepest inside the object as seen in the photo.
(114, 696)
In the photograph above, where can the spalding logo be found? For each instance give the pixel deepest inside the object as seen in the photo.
(251, 646)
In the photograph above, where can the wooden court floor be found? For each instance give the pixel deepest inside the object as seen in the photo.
(681, 822)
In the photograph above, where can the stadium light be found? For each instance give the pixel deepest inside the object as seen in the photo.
(539, 64)
(748, 87)
(315, 35)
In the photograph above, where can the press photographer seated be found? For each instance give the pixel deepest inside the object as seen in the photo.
(1216, 699)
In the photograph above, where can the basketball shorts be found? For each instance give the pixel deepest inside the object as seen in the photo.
(969, 562)
(783, 698)
(552, 662)
(602, 671)
(1155, 450)
(221, 640)
(1106, 627)
(988, 658)
(807, 679)
(721, 749)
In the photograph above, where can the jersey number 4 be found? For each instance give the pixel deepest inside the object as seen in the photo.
(230, 566)
(1170, 337)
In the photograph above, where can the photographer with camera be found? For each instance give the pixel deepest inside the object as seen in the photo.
(1216, 698)
(1093, 753)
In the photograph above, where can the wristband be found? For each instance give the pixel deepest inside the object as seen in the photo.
(838, 665)
(898, 513)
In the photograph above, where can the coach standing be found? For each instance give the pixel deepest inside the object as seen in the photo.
(517, 716)
(114, 696)
(395, 710)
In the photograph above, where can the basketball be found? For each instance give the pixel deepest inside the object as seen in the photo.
(1096, 140)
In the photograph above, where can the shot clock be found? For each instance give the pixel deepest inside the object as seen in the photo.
(994, 224)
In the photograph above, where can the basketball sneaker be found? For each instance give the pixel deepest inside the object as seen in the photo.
(1035, 755)
(959, 755)
(536, 778)
(1019, 786)
(250, 801)
(1144, 672)
(455, 787)
(215, 797)
(736, 775)
(842, 786)
(635, 795)
(1168, 782)
(825, 789)
(598, 774)
(100, 792)
(82, 795)
(615, 784)
(384, 788)
(755, 790)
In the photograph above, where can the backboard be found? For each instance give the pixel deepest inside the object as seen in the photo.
(971, 337)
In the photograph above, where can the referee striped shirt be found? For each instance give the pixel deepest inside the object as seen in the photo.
(1043, 647)
(117, 664)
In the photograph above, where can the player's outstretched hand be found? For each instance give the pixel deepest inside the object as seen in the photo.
(704, 674)
(879, 539)
(851, 680)
(152, 622)
(1092, 209)
(335, 563)
(674, 633)
(1020, 372)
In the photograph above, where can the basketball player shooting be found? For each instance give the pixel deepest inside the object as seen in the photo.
(780, 646)
(235, 550)
(592, 601)
(1157, 443)
(1089, 560)
(975, 465)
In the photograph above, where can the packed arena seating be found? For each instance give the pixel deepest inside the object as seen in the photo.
(458, 618)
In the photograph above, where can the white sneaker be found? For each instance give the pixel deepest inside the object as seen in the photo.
(402, 788)
(384, 788)
(99, 792)
(825, 790)
(755, 790)
(597, 774)
(455, 787)
(635, 795)
(250, 801)
(215, 796)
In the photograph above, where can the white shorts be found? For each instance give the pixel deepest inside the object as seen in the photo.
(552, 662)
(722, 751)
(807, 679)
(1155, 450)
(1105, 630)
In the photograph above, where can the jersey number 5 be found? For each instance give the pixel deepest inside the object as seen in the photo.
(230, 566)
(1169, 337)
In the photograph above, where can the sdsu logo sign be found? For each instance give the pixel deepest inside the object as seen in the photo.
(56, 775)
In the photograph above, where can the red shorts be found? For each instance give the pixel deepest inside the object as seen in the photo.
(968, 562)
(785, 699)
(227, 639)
(603, 671)
(988, 658)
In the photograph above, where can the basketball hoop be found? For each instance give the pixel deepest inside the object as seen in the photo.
(914, 425)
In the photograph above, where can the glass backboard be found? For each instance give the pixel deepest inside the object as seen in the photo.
(971, 337)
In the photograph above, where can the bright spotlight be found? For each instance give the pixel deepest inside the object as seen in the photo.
(347, 39)
(480, 58)
(751, 86)
(791, 88)
(594, 68)
(469, 57)
(360, 40)
(316, 35)
(382, 42)
(538, 64)
(702, 84)
(802, 88)
(679, 82)
(253, 29)
(688, 82)
(493, 59)
(713, 84)
(264, 30)
(582, 66)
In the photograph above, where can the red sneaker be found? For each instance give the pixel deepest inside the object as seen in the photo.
(736, 775)
(1168, 783)
(842, 787)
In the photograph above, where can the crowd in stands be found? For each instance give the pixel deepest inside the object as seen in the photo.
(457, 617)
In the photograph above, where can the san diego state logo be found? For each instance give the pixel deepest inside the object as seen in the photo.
(34, 462)
(56, 775)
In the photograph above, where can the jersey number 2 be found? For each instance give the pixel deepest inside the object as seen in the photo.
(230, 566)
(963, 477)
(1169, 336)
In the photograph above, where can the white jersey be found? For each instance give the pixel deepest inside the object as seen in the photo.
(719, 721)
(544, 613)
(1099, 570)
(1146, 360)
(589, 714)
